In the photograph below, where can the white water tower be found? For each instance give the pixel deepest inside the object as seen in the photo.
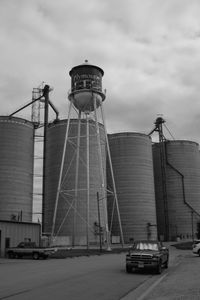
(86, 100)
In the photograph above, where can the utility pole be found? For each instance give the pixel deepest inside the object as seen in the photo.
(99, 221)
(192, 219)
(159, 128)
(46, 91)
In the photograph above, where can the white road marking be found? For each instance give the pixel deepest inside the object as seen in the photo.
(147, 287)
(151, 287)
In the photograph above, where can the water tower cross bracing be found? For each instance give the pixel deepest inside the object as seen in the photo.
(86, 197)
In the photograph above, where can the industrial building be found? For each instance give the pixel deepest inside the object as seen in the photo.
(13, 232)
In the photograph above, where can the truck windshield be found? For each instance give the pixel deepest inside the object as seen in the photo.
(145, 246)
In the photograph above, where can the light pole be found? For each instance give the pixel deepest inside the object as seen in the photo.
(99, 221)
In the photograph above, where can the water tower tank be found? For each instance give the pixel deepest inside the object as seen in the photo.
(131, 155)
(182, 186)
(65, 215)
(16, 169)
(86, 83)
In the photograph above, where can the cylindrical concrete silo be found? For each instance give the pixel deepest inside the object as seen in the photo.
(16, 169)
(72, 211)
(131, 155)
(182, 178)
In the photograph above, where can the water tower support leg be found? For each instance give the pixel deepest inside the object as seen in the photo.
(77, 176)
(103, 187)
(112, 175)
(88, 178)
(61, 171)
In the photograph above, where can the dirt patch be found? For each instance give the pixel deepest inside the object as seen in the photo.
(70, 252)
(183, 245)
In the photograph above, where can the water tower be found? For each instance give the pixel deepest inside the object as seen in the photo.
(86, 103)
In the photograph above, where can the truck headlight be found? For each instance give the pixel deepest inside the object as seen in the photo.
(155, 258)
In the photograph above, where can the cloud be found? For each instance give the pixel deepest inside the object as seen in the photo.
(149, 51)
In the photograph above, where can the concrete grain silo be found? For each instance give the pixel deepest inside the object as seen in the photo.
(16, 169)
(131, 155)
(179, 213)
(71, 215)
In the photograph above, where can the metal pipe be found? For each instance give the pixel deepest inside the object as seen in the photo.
(163, 160)
(31, 102)
(46, 117)
(183, 190)
(55, 110)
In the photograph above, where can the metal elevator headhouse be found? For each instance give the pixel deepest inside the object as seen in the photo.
(40, 101)
(159, 128)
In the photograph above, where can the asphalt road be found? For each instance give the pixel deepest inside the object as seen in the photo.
(95, 277)
(181, 282)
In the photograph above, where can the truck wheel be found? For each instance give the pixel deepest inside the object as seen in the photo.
(159, 268)
(128, 269)
(11, 255)
(35, 255)
(166, 264)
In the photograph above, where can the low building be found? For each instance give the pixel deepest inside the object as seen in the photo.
(13, 232)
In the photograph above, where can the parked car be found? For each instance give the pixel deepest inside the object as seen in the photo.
(147, 254)
(196, 247)
(25, 249)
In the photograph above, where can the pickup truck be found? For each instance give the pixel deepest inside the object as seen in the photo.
(147, 254)
(29, 249)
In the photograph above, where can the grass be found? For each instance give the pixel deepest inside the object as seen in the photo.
(70, 253)
(183, 245)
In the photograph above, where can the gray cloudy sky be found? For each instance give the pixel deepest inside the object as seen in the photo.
(149, 50)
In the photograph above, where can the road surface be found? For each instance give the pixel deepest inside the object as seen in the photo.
(96, 277)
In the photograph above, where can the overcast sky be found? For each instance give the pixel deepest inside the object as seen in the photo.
(148, 49)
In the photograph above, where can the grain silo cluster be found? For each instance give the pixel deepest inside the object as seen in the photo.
(133, 169)
(98, 188)
(178, 207)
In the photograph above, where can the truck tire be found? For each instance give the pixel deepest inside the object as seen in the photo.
(128, 269)
(159, 268)
(45, 256)
(11, 255)
(35, 255)
(166, 264)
